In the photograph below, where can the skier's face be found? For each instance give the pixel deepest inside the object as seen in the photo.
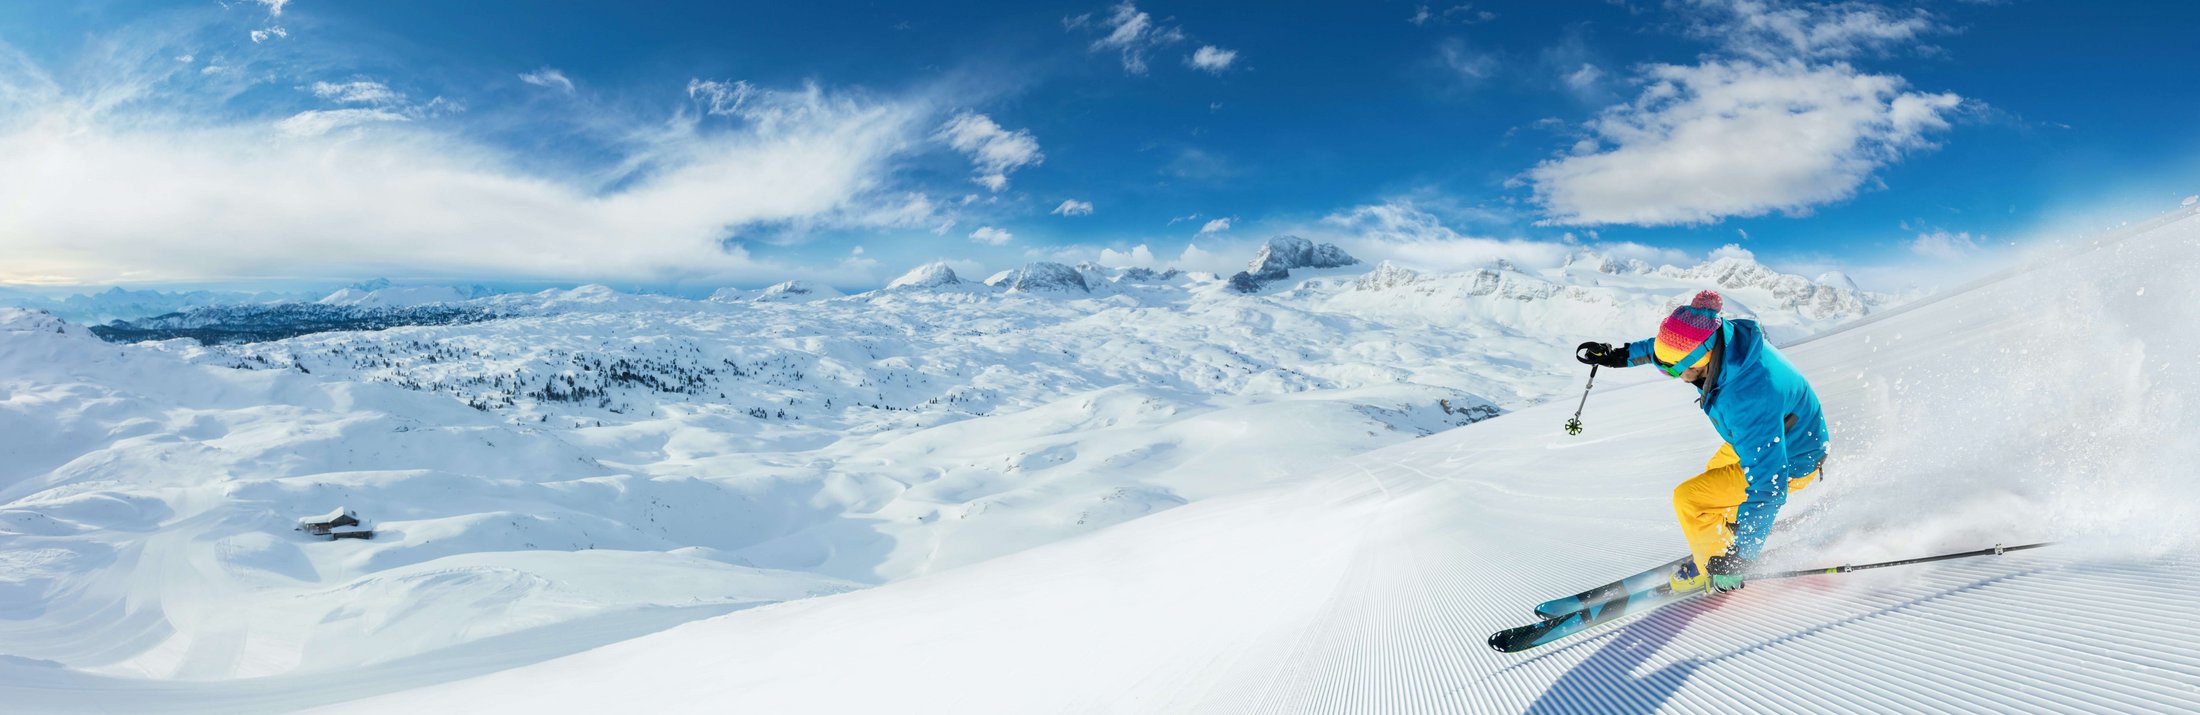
(1694, 374)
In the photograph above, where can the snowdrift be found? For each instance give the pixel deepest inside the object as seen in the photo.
(2054, 404)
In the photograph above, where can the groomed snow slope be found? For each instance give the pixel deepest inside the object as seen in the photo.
(2054, 405)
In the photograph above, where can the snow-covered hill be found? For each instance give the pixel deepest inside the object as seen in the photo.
(2054, 406)
(530, 472)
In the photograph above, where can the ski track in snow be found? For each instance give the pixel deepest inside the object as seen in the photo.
(1368, 585)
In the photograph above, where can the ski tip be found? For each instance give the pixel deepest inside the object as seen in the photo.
(1512, 640)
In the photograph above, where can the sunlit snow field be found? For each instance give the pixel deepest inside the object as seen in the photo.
(1161, 496)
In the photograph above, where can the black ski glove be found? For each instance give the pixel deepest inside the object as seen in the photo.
(1601, 354)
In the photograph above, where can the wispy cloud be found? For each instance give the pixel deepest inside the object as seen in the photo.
(1408, 232)
(719, 98)
(1216, 226)
(269, 33)
(274, 7)
(316, 122)
(1773, 128)
(1946, 246)
(143, 172)
(1212, 59)
(357, 92)
(551, 78)
(993, 151)
(1130, 32)
(1464, 14)
(1073, 207)
(1468, 66)
(383, 104)
(991, 236)
(1778, 30)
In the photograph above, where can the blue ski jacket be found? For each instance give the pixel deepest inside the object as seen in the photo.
(1767, 411)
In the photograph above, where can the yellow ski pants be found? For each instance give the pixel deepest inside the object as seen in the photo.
(1706, 503)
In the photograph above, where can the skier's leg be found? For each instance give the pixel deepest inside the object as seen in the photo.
(1705, 504)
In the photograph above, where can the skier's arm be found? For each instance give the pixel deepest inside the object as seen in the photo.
(1757, 439)
(1640, 351)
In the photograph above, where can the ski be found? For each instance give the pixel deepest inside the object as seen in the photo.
(1514, 640)
(1594, 613)
(1568, 604)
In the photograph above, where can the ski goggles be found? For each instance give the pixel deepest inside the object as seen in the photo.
(1675, 369)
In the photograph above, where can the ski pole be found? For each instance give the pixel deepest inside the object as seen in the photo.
(1573, 426)
(1996, 551)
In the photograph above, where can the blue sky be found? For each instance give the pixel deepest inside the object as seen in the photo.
(687, 146)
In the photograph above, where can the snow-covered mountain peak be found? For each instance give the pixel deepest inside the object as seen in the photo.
(1765, 288)
(380, 294)
(1603, 263)
(1042, 277)
(32, 320)
(1281, 254)
(929, 275)
(1386, 275)
(794, 291)
(1285, 252)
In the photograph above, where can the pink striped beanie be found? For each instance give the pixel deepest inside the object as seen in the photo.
(1688, 327)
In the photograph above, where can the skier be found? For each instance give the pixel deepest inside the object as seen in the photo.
(1765, 411)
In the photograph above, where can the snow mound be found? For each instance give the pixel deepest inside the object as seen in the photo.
(30, 320)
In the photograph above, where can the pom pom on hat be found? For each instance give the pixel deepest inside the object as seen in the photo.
(1708, 299)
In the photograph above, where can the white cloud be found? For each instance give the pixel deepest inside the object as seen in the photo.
(1945, 246)
(272, 32)
(357, 92)
(1402, 230)
(185, 58)
(274, 7)
(1212, 59)
(153, 189)
(1216, 226)
(1139, 256)
(1073, 207)
(1774, 29)
(1731, 250)
(1469, 66)
(1779, 125)
(1738, 139)
(993, 151)
(1584, 81)
(991, 236)
(723, 99)
(1180, 219)
(383, 105)
(551, 78)
(1464, 14)
(1132, 33)
(313, 123)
